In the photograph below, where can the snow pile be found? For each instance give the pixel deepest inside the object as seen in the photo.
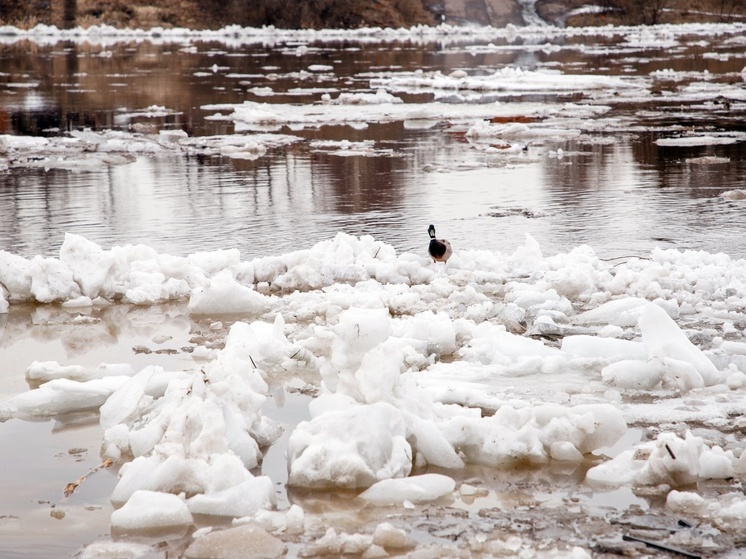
(416, 364)
(86, 274)
(200, 438)
(373, 420)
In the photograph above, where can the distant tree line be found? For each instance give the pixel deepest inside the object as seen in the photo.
(216, 13)
(651, 12)
(300, 14)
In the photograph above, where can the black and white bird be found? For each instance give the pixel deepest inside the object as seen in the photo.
(439, 249)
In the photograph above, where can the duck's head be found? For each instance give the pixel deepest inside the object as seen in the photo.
(431, 231)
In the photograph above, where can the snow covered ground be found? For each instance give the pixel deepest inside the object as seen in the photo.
(424, 382)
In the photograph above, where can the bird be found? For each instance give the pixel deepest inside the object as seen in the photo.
(439, 249)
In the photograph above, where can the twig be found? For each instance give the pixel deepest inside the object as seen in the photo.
(670, 452)
(655, 545)
(71, 487)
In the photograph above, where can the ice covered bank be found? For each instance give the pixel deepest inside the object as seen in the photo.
(507, 360)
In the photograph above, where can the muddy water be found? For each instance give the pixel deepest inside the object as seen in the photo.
(618, 192)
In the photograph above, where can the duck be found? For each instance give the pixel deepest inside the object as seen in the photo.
(439, 249)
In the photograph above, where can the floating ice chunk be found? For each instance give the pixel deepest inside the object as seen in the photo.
(617, 472)
(736, 348)
(634, 374)
(245, 542)
(51, 280)
(202, 436)
(265, 345)
(417, 489)
(379, 97)
(149, 510)
(728, 511)
(250, 150)
(262, 113)
(44, 371)
(735, 195)
(225, 295)
(666, 341)
(129, 401)
(609, 349)
(564, 451)
(687, 503)
(621, 312)
(388, 536)
(179, 474)
(349, 448)
(60, 396)
(172, 136)
(699, 140)
(92, 267)
(668, 460)
(114, 550)
(244, 499)
(338, 545)
(291, 521)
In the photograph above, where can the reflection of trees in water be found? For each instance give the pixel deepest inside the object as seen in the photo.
(358, 183)
(705, 171)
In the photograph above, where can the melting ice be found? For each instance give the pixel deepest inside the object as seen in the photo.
(499, 359)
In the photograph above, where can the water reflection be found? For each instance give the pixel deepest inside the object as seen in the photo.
(618, 192)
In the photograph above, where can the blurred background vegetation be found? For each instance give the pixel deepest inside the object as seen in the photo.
(212, 14)
(301, 14)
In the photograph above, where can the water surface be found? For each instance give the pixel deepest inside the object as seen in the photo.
(616, 190)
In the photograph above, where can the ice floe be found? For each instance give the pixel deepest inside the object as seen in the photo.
(387, 402)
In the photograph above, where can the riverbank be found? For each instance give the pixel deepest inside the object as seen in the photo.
(350, 14)
(214, 14)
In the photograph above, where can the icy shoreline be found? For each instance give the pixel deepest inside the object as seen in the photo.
(373, 327)
(235, 35)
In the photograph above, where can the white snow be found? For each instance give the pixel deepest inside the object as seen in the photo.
(415, 489)
(148, 510)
